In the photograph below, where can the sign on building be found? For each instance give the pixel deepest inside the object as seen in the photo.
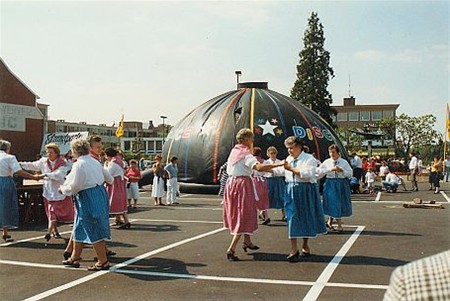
(13, 117)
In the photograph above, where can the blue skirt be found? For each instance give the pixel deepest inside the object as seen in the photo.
(336, 198)
(9, 205)
(304, 210)
(92, 218)
(277, 192)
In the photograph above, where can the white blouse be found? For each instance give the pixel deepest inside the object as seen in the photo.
(307, 165)
(243, 167)
(86, 173)
(277, 171)
(114, 169)
(8, 165)
(53, 179)
(328, 164)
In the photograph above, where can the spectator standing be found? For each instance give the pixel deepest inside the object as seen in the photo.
(447, 168)
(436, 173)
(158, 181)
(370, 180)
(413, 170)
(223, 177)
(133, 175)
(172, 181)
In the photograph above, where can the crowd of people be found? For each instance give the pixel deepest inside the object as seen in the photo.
(94, 184)
(255, 185)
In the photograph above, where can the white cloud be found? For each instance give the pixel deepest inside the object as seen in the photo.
(428, 55)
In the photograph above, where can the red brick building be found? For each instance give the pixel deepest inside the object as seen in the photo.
(22, 119)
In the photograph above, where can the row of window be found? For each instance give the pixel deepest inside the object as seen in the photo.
(363, 116)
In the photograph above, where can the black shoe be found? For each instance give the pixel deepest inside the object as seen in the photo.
(284, 219)
(67, 255)
(231, 256)
(125, 226)
(47, 236)
(293, 257)
(266, 222)
(7, 238)
(110, 253)
(57, 235)
(250, 246)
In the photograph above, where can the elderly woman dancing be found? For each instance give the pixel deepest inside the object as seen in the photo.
(58, 207)
(239, 203)
(9, 205)
(91, 226)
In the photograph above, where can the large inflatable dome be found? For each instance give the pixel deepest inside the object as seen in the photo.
(204, 138)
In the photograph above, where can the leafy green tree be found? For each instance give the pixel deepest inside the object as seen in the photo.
(314, 72)
(351, 140)
(416, 132)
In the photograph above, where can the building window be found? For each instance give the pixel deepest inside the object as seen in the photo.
(353, 116)
(365, 116)
(342, 116)
(388, 114)
(127, 145)
(377, 115)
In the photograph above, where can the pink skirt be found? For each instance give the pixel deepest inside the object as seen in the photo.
(262, 191)
(239, 206)
(60, 211)
(117, 196)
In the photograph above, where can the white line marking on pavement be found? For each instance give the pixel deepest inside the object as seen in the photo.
(117, 266)
(377, 199)
(250, 280)
(177, 221)
(321, 282)
(445, 196)
(41, 265)
(28, 239)
(39, 237)
(216, 278)
(202, 277)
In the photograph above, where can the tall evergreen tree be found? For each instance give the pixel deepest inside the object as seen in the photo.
(314, 72)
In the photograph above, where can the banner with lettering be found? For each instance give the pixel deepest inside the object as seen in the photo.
(62, 139)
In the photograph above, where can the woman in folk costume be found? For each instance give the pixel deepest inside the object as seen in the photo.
(303, 207)
(276, 184)
(9, 204)
(58, 207)
(91, 226)
(259, 180)
(336, 191)
(158, 181)
(117, 192)
(239, 204)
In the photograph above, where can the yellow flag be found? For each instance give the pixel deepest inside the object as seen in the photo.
(119, 131)
(447, 122)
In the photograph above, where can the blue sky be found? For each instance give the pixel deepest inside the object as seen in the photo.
(91, 61)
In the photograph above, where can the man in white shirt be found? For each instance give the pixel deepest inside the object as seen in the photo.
(413, 169)
(391, 182)
(356, 164)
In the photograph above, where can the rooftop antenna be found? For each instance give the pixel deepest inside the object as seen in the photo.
(238, 74)
(349, 90)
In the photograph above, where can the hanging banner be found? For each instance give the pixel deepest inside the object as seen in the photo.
(62, 139)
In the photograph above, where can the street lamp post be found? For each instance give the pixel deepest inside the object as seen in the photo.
(164, 128)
